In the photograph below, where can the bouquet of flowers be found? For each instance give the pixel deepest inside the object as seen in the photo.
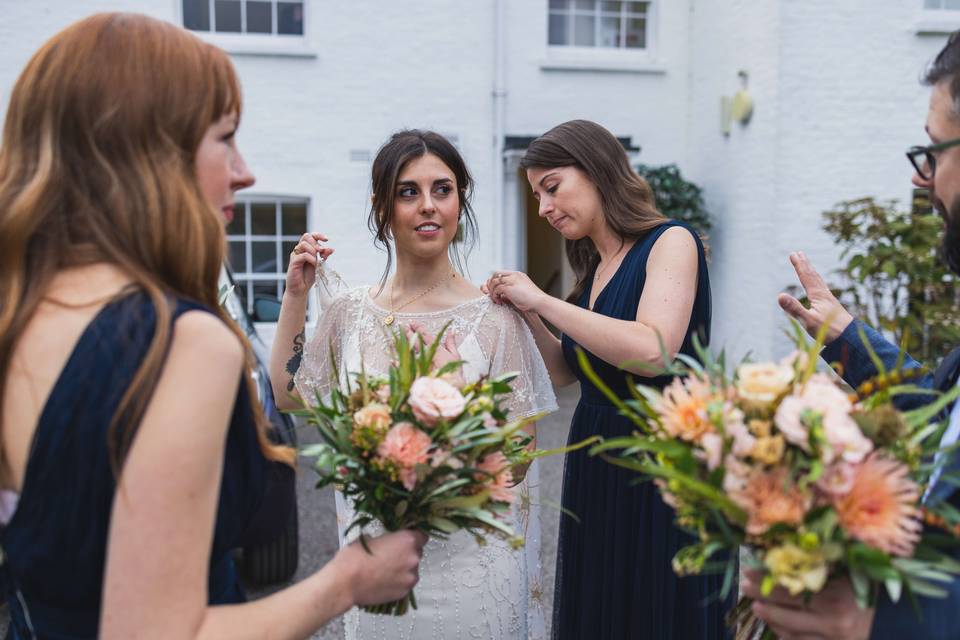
(416, 450)
(812, 480)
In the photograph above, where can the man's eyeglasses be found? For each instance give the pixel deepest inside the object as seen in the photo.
(924, 159)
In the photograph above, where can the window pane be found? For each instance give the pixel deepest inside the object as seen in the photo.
(264, 255)
(239, 225)
(588, 5)
(636, 37)
(287, 248)
(609, 32)
(265, 288)
(612, 6)
(263, 219)
(633, 6)
(583, 31)
(238, 256)
(951, 4)
(558, 29)
(290, 18)
(558, 4)
(227, 15)
(259, 17)
(932, 4)
(196, 15)
(294, 218)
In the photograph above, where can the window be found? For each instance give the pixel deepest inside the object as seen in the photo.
(598, 23)
(941, 4)
(265, 17)
(260, 238)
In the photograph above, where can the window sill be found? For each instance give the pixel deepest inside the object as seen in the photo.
(585, 59)
(259, 45)
(936, 22)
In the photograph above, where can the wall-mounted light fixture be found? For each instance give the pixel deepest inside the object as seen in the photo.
(739, 108)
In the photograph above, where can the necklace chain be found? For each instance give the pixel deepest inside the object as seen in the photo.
(596, 275)
(391, 317)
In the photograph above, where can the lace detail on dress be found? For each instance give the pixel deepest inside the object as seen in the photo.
(465, 591)
(492, 339)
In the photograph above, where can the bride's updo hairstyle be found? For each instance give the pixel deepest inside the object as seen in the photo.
(400, 149)
(97, 165)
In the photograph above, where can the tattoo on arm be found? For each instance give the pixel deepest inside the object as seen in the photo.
(293, 364)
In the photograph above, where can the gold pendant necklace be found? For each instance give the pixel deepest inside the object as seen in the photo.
(391, 318)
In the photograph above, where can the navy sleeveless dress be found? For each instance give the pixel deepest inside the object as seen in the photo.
(614, 574)
(55, 544)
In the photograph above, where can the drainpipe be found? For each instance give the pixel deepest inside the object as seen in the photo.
(501, 230)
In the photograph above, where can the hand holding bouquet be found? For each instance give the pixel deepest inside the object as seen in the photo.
(412, 450)
(814, 481)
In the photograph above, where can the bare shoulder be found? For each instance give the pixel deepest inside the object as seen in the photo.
(675, 246)
(202, 336)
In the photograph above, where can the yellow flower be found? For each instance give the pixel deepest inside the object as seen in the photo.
(768, 449)
(760, 384)
(759, 428)
(796, 569)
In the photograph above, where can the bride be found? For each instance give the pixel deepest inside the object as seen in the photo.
(421, 197)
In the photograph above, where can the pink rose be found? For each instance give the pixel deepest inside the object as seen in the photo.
(712, 445)
(743, 440)
(432, 399)
(837, 479)
(406, 446)
(736, 474)
(497, 466)
(844, 439)
(822, 397)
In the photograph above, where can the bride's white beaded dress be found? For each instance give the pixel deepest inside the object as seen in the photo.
(465, 590)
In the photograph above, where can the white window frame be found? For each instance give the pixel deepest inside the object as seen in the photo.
(278, 238)
(257, 44)
(612, 59)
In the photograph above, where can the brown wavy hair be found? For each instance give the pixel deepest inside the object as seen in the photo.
(627, 200)
(97, 165)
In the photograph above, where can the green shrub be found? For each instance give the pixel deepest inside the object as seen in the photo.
(676, 197)
(893, 277)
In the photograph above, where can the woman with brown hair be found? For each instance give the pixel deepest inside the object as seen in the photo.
(642, 288)
(133, 453)
(421, 195)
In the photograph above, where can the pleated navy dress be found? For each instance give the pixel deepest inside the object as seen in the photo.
(55, 543)
(614, 574)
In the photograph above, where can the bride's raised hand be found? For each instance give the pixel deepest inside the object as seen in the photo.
(306, 255)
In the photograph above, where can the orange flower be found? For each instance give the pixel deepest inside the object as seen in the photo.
(683, 408)
(770, 497)
(881, 507)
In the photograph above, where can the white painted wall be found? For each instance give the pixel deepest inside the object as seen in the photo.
(837, 102)
(835, 88)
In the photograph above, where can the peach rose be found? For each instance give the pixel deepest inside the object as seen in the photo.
(760, 384)
(432, 399)
(406, 446)
(373, 415)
